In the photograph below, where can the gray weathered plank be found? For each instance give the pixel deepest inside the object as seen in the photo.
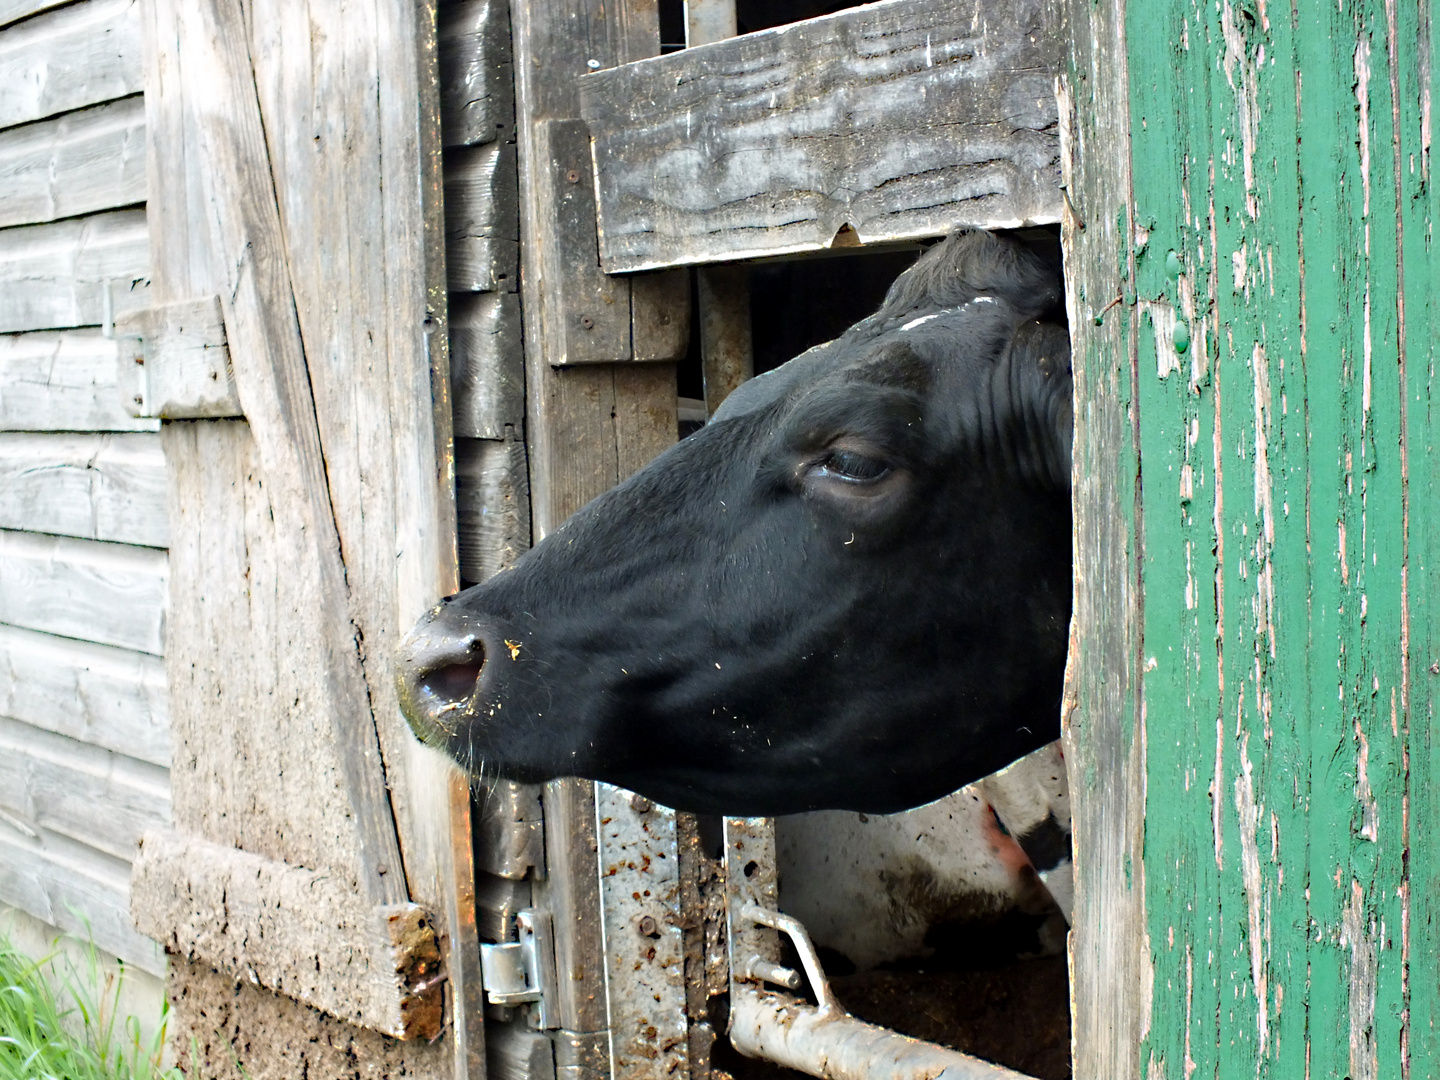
(895, 120)
(80, 55)
(487, 365)
(76, 888)
(300, 931)
(107, 697)
(177, 360)
(62, 382)
(492, 495)
(15, 10)
(94, 796)
(99, 487)
(111, 594)
(482, 220)
(477, 86)
(76, 164)
(57, 275)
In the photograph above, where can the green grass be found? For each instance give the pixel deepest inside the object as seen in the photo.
(58, 1022)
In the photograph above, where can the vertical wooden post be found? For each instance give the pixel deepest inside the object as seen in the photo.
(1253, 684)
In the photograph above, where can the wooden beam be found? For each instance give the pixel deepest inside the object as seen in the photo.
(107, 697)
(901, 119)
(77, 889)
(99, 487)
(175, 361)
(482, 248)
(62, 382)
(302, 932)
(80, 55)
(111, 594)
(96, 797)
(60, 275)
(76, 164)
(477, 83)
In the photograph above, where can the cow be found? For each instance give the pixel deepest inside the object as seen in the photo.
(850, 590)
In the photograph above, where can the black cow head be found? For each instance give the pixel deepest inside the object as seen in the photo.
(851, 589)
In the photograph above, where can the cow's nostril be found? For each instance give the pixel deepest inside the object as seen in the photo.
(453, 684)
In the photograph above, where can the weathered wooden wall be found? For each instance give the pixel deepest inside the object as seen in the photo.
(83, 568)
(1249, 230)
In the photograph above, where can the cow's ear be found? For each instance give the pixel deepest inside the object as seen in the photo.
(1031, 419)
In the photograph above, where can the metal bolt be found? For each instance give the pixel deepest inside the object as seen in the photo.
(573, 176)
(587, 322)
(648, 927)
(640, 804)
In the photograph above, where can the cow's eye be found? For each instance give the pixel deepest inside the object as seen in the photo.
(851, 467)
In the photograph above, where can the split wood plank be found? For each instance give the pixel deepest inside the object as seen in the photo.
(78, 163)
(58, 275)
(302, 932)
(111, 594)
(62, 381)
(96, 797)
(77, 889)
(477, 85)
(98, 487)
(103, 696)
(888, 122)
(482, 247)
(487, 365)
(80, 55)
(492, 492)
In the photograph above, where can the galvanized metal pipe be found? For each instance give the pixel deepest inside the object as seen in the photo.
(832, 1044)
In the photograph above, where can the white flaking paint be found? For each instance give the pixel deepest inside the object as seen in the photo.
(1249, 815)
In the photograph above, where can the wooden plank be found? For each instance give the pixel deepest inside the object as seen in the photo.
(301, 932)
(477, 85)
(62, 382)
(80, 55)
(57, 275)
(93, 796)
(727, 353)
(107, 697)
(891, 121)
(178, 361)
(493, 499)
(482, 223)
(76, 888)
(99, 487)
(111, 594)
(15, 10)
(487, 365)
(76, 164)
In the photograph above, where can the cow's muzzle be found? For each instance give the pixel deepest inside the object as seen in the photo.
(438, 672)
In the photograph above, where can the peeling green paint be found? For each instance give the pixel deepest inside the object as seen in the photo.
(1286, 418)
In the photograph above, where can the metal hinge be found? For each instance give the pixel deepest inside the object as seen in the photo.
(522, 972)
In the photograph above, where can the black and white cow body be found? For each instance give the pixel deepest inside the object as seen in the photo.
(850, 590)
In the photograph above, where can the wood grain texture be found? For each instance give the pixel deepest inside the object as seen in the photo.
(896, 120)
(178, 361)
(76, 164)
(299, 931)
(111, 594)
(477, 85)
(99, 487)
(80, 55)
(106, 697)
(57, 275)
(76, 888)
(95, 797)
(487, 365)
(62, 382)
(1254, 308)
(14, 10)
(482, 248)
(492, 492)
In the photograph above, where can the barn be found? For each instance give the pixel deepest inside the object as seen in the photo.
(315, 310)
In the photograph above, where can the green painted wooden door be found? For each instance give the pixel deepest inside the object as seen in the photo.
(1249, 243)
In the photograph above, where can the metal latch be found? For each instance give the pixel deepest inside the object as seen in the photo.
(522, 972)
